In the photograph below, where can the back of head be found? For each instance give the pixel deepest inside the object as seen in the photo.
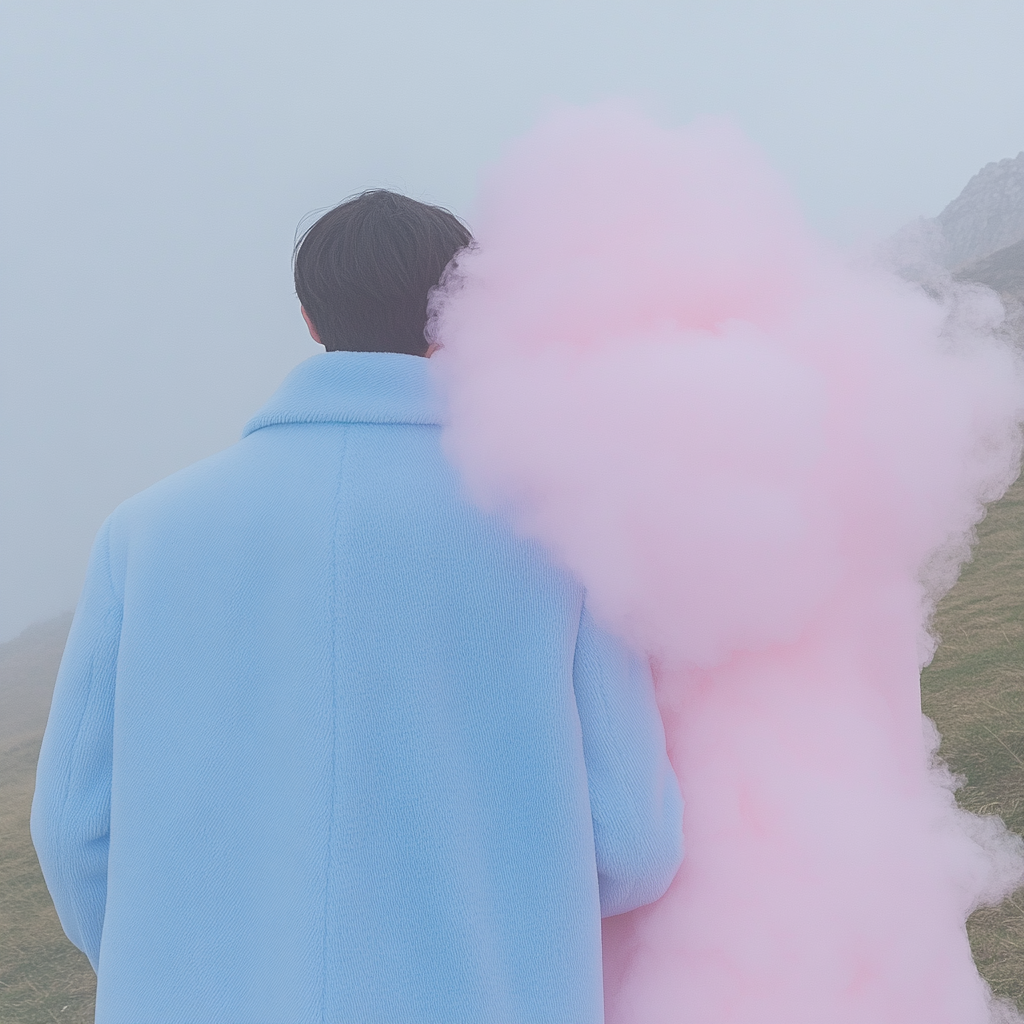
(363, 271)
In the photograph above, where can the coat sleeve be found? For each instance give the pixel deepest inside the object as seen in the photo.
(634, 795)
(71, 806)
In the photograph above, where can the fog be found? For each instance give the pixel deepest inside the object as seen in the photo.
(157, 159)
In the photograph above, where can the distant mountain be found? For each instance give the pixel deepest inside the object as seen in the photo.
(978, 237)
(987, 216)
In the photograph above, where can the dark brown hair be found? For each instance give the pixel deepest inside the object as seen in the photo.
(364, 269)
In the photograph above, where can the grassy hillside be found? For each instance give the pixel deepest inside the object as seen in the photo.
(43, 978)
(974, 690)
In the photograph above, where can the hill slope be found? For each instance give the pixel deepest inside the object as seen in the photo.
(1002, 271)
(974, 690)
(43, 978)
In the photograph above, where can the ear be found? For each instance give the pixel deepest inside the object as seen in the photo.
(313, 332)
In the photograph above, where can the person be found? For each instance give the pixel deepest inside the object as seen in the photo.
(328, 744)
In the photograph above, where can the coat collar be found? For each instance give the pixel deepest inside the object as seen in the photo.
(353, 387)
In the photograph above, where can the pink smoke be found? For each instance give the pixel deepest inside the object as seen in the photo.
(765, 465)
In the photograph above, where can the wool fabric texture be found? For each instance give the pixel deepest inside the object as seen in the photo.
(329, 744)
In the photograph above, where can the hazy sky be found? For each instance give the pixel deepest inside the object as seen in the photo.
(157, 158)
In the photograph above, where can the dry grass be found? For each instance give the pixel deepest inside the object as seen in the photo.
(974, 689)
(43, 978)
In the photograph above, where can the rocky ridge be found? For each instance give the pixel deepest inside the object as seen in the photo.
(978, 238)
(987, 216)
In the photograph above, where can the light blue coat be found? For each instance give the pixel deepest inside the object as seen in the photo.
(329, 744)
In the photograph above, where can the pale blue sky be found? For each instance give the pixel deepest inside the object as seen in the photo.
(158, 156)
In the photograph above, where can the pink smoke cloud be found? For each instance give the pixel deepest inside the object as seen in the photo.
(765, 465)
